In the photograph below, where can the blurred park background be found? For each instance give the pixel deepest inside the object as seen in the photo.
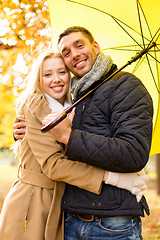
(24, 32)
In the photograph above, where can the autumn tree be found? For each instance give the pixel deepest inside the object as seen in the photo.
(25, 31)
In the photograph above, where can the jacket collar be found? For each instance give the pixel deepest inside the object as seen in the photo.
(106, 74)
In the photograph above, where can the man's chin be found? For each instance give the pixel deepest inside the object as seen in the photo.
(81, 73)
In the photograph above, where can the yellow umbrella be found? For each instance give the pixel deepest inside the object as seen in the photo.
(121, 28)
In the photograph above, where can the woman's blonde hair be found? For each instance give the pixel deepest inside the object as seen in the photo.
(34, 85)
(34, 79)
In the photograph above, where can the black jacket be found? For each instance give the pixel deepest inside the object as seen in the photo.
(112, 129)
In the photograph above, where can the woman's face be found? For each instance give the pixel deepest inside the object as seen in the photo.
(55, 78)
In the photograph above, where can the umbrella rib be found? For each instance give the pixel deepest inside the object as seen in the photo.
(151, 41)
(114, 18)
(152, 73)
(145, 18)
(156, 34)
(149, 65)
(124, 48)
(120, 49)
(157, 68)
(119, 22)
(140, 23)
(138, 64)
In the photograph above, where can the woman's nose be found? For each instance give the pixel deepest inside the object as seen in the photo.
(56, 78)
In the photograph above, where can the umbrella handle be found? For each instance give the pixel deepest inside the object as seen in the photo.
(57, 120)
(63, 115)
(141, 53)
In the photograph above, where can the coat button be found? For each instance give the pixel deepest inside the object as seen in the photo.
(99, 204)
(93, 204)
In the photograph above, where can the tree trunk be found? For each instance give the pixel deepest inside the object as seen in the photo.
(158, 173)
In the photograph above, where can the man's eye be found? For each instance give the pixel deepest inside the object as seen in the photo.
(80, 45)
(66, 54)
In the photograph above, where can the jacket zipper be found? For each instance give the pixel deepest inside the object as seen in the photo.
(84, 105)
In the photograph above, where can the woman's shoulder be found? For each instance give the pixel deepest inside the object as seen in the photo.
(31, 102)
(37, 106)
(34, 99)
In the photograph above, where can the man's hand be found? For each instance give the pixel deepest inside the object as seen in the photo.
(19, 127)
(62, 130)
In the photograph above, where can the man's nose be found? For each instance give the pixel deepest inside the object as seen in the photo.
(75, 53)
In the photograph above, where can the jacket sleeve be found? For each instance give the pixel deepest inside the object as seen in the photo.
(48, 153)
(127, 150)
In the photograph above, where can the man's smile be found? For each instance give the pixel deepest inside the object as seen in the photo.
(80, 64)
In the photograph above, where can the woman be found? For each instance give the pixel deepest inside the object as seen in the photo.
(32, 208)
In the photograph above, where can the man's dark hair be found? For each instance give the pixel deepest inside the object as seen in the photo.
(72, 29)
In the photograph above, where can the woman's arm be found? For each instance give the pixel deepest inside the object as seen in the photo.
(48, 153)
(56, 166)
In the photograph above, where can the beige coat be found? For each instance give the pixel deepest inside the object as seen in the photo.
(32, 208)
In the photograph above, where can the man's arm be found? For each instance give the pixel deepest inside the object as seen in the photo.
(131, 123)
(136, 183)
(19, 127)
(127, 147)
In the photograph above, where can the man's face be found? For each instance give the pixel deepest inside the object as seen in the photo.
(78, 53)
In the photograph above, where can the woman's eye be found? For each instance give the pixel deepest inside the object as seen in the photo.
(47, 75)
(62, 72)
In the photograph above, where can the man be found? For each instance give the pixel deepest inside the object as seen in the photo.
(112, 129)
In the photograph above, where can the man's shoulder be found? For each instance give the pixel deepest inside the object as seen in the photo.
(127, 79)
(120, 74)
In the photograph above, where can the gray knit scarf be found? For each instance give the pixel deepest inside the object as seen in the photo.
(102, 65)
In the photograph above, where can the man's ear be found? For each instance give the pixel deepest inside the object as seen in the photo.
(97, 47)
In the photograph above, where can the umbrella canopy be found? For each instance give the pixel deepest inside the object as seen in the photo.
(121, 28)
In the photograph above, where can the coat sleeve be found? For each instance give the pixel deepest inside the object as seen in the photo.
(48, 153)
(127, 150)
